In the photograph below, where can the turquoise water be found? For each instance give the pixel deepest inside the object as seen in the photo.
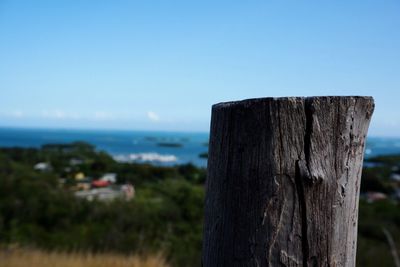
(123, 145)
(145, 145)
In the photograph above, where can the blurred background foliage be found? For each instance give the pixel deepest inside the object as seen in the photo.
(166, 215)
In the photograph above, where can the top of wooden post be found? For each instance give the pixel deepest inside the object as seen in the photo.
(250, 101)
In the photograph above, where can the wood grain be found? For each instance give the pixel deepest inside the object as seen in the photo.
(283, 181)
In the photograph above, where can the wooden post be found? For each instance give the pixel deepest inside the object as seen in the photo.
(283, 181)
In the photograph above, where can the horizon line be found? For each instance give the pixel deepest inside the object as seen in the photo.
(4, 127)
(94, 129)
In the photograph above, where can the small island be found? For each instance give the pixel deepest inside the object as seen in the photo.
(168, 144)
(203, 155)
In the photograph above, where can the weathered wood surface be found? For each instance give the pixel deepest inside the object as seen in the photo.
(283, 181)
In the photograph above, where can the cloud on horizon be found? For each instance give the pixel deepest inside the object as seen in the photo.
(153, 116)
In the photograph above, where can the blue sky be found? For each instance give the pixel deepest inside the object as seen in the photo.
(160, 65)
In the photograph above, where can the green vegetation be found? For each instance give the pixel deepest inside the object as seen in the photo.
(166, 215)
(386, 160)
(35, 210)
(374, 216)
(373, 249)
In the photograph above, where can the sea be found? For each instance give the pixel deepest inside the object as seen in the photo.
(155, 147)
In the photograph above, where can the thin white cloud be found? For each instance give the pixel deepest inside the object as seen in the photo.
(17, 114)
(14, 114)
(153, 116)
(73, 115)
(54, 114)
(60, 114)
(102, 115)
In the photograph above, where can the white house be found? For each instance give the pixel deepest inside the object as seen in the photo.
(109, 177)
(42, 166)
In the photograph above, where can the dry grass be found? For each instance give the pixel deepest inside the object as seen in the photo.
(35, 258)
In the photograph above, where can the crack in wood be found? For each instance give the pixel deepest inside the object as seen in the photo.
(303, 211)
